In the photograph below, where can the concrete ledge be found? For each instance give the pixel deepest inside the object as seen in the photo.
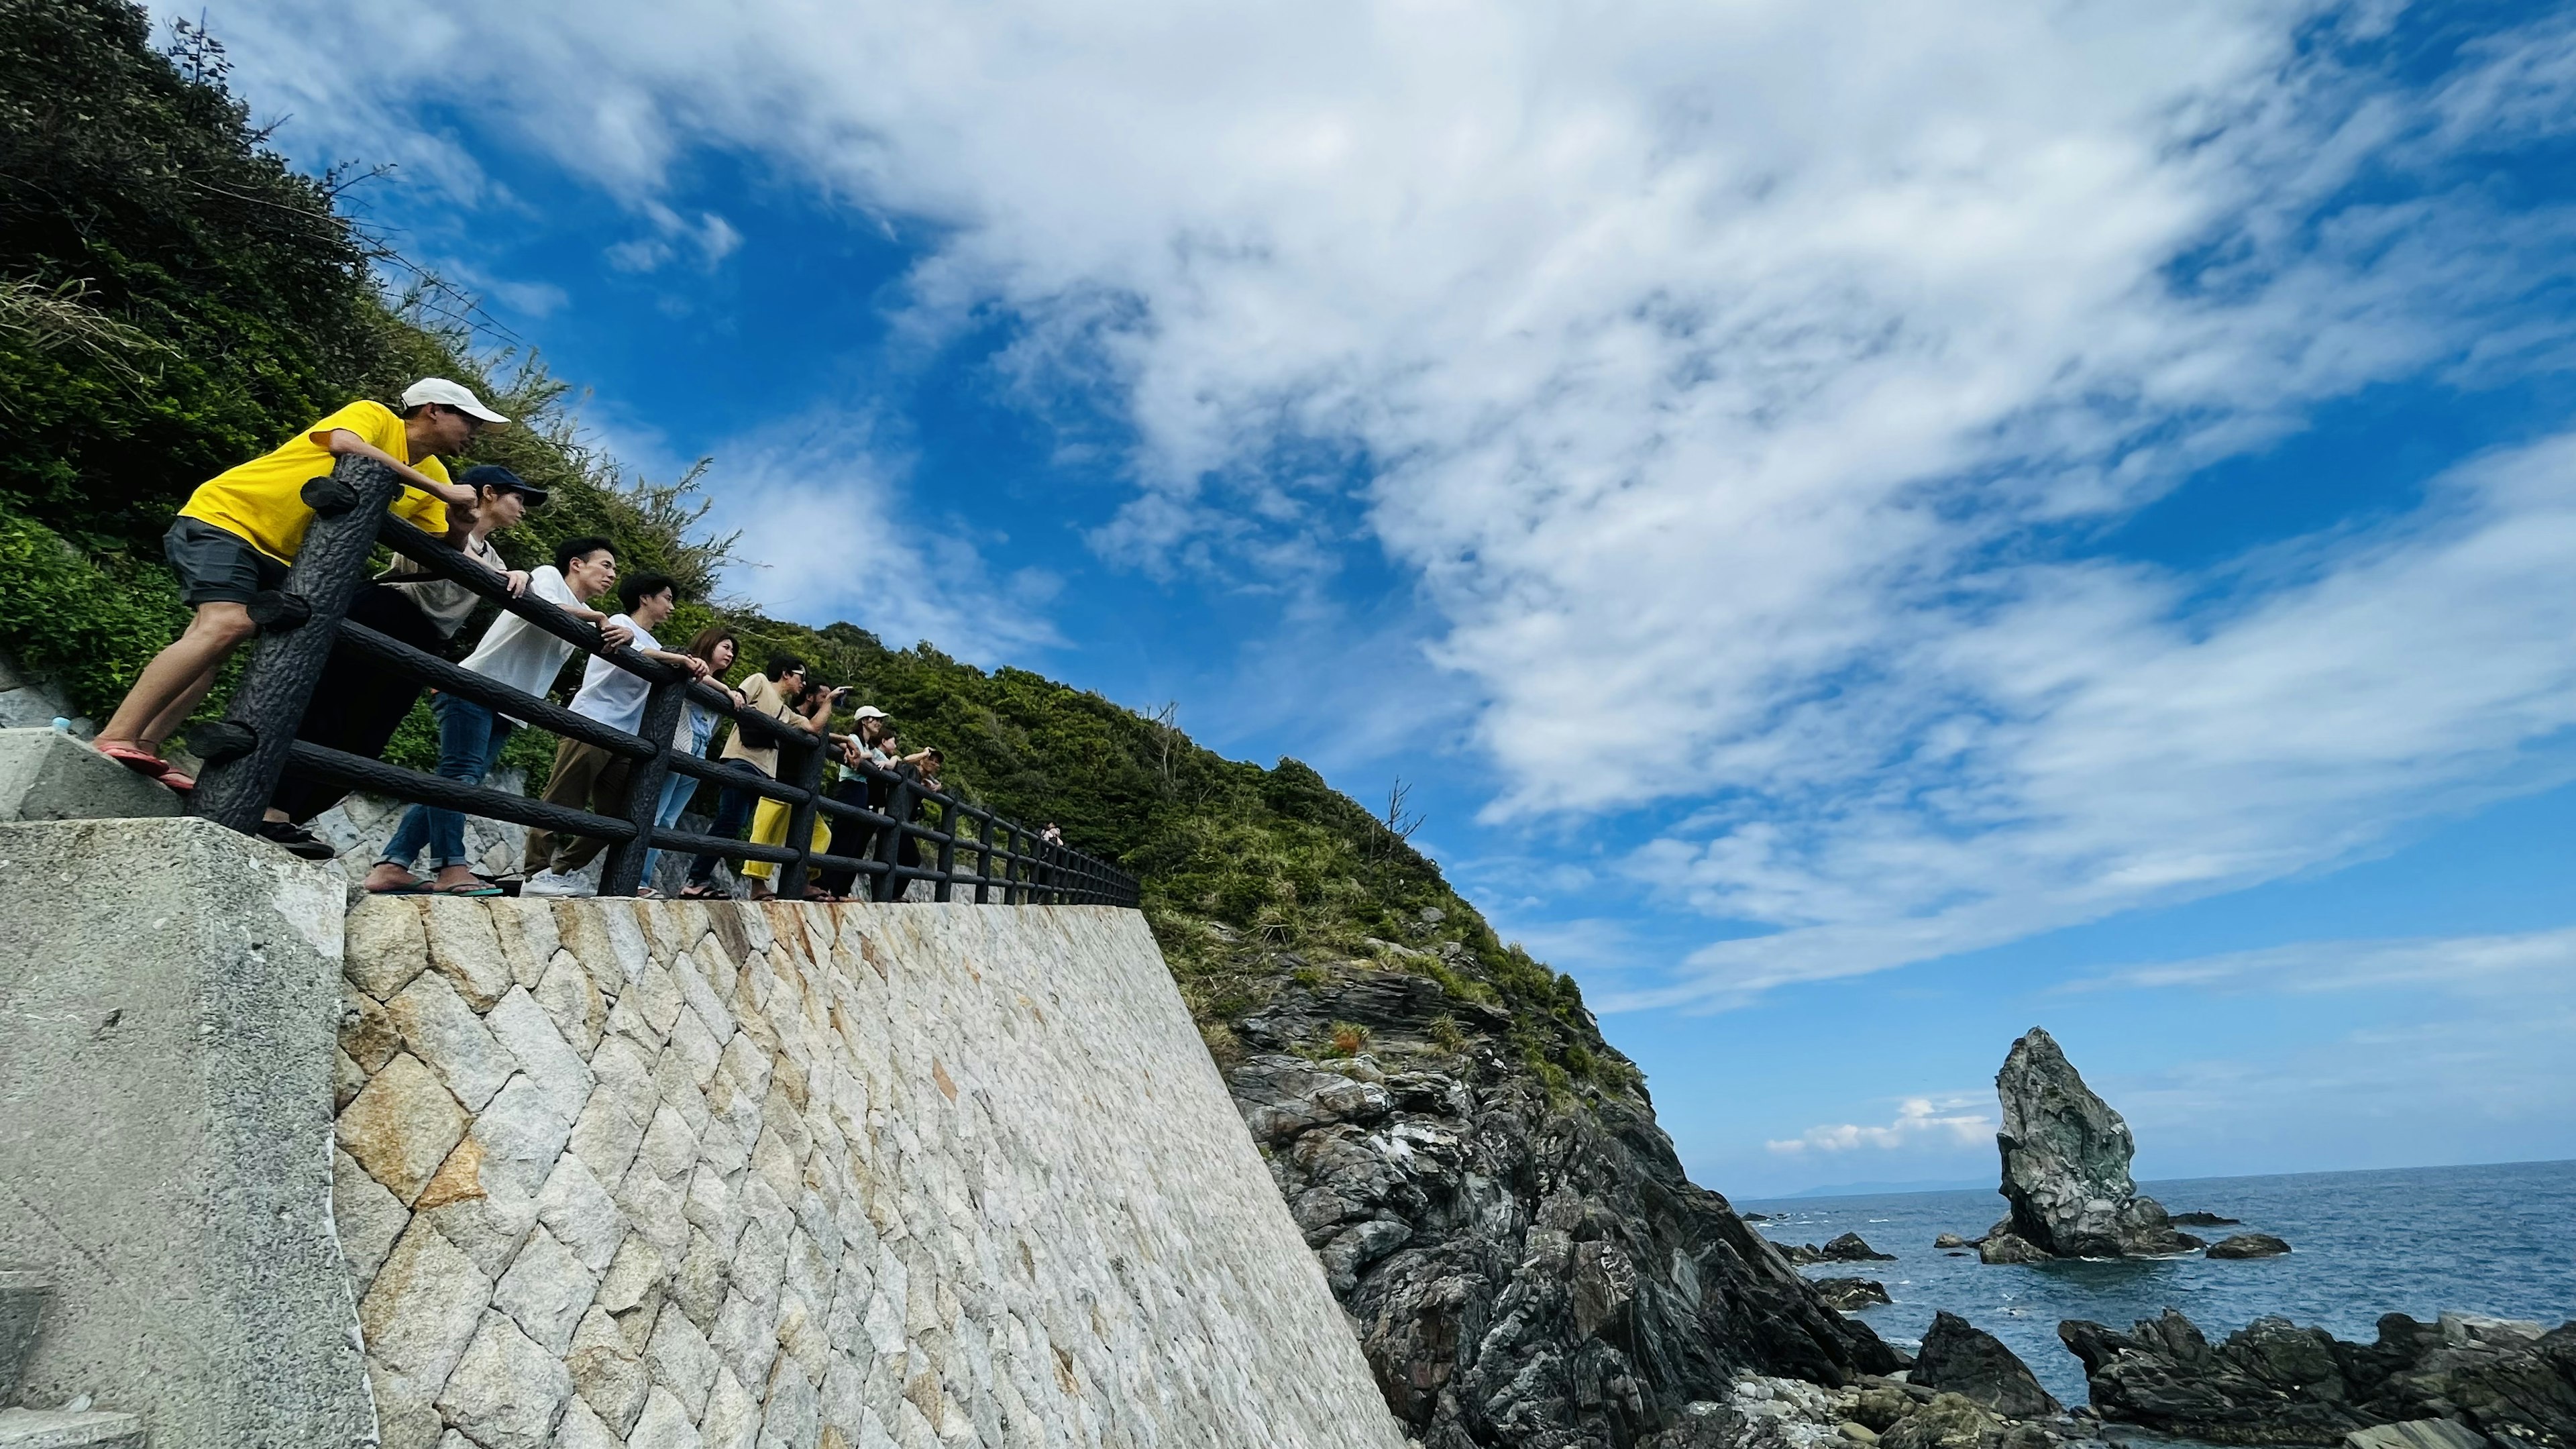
(169, 998)
(54, 1429)
(47, 775)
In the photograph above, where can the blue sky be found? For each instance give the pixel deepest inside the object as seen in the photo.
(1866, 530)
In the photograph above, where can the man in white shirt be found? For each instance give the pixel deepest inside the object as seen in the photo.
(587, 777)
(526, 658)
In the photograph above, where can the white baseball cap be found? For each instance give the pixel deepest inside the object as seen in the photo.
(448, 394)
(867, 711)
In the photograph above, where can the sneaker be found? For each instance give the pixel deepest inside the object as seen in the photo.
(295, 840)
(556, 883)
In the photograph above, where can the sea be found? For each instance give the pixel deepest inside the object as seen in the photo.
(2497, 1239)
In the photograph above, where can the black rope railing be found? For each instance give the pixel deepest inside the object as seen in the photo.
(967, 848)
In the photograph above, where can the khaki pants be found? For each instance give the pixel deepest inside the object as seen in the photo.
(585, 777)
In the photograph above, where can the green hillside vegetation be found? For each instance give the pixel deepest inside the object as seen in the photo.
(174, 298)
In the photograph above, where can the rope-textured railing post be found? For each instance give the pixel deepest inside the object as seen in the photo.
(624, 869)
(984, 860)
(947, 850)
(298, 625)
(800, 821)
(889, 883)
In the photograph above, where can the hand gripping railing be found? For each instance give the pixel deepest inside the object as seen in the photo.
(300, 623)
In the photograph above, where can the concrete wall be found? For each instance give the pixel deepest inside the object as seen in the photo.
(168, 992)
(616, 1172)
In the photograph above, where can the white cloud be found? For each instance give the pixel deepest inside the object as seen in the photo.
(2523, 967)
(1726, 370)
(827, 534)
(1919, 1120)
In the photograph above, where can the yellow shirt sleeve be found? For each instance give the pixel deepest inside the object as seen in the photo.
(423, 511)
(262, 501)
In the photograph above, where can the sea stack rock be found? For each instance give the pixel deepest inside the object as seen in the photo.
(2066, 1168)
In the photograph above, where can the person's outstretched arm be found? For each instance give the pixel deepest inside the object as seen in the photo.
(340, 442)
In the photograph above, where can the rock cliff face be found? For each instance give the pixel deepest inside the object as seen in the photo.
(2273, 1382)
(1524, 1266)
(2066, 1168)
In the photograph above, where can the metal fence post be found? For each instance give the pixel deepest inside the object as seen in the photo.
(623, 871)
(800, 821)
(247, 752)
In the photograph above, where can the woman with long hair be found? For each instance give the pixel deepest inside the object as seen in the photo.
(717, 646)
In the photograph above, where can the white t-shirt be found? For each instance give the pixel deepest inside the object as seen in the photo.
(609, 694)
(518, 653)
(447, 604)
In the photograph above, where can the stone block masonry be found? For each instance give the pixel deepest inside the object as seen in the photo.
(639, 1173)
(665, 1173)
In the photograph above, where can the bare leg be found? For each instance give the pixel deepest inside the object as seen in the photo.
(178, 677)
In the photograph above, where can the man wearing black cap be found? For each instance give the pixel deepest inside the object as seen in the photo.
(358, 704)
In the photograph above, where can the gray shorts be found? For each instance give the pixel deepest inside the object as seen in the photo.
(216, 566)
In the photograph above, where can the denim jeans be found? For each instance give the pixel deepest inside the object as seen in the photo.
(469, 740)
(733, 811)
(677, 791)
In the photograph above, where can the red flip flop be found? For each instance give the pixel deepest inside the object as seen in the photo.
(144, 762)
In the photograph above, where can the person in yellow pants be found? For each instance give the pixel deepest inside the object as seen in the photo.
(812, 709)
(769, 827)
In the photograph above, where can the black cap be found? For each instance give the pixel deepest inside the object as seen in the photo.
(502, 480)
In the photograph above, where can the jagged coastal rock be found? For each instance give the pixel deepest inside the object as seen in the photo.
(1849, 1248)
(1522, 1268)
(2249, 1245)
(2198, 1219)
(2066, 1168)
(2273, 1382)
(1763, 1413)
(1959, 1357)
(1846, 1294)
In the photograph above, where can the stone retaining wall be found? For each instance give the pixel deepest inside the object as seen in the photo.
(672, 1174)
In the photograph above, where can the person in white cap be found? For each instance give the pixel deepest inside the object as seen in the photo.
(241, 529)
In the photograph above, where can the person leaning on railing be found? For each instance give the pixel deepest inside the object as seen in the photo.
(810, 711)
(716, 645)
(864, 767)
(591, 777)
(470, 736)
(770, 693)
(358, 702)
(239, 532)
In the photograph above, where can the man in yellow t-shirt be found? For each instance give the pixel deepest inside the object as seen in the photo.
(241, 529)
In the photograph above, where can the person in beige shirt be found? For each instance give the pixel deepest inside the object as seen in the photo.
(775, 692)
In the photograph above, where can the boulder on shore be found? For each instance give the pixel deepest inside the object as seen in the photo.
(2273, 1382)
(1846, 1294)
(1959, 1357)
(2066, 1166)
(2249, 1245)
(1951, 1240)
(2000, 1246)
(1846, 1249)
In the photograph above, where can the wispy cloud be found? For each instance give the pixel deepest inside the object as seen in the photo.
(1955, 1121)
(2527, 966)
(828, 533)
